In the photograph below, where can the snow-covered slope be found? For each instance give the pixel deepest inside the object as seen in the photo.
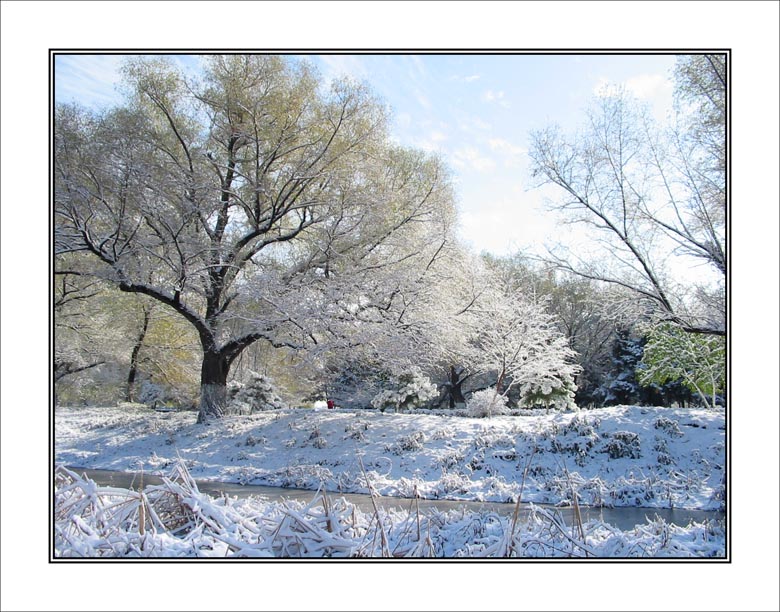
(618, 456)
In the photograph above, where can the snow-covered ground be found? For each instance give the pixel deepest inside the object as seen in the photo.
(620, 456)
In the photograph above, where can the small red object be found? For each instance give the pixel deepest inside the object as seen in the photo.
(331, 405)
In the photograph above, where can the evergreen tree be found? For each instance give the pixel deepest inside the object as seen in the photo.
(621, 385)
(258, 394)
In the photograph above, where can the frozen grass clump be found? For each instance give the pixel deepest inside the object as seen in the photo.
(303, 476)
(174, 519)
(450, 460)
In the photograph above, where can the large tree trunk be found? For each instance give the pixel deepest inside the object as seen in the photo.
(213, 385)
(214, 372)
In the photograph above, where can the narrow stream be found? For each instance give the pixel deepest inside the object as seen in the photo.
(623, 518)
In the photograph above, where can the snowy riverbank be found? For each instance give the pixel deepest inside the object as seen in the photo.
(619, 456)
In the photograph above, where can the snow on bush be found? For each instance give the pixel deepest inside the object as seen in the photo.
(486, 403)
(548, 390)
(256, 395)
(578, 438)
(623, 444)
(412, 442)
(410, 389)
(155, 394)
(670, 426)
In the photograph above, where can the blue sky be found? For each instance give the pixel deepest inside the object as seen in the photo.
(474, 109)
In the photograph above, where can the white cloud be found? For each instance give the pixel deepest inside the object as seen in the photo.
(655, 89)
(470, 157)
(499, 97)
(504, 146)
(404, 120)
(433, 142)
(338, 66)
(506, 221)
(506, 224)
(88, 79)
(465, 79)
(511, 154)
(648, 85)
(473, 125)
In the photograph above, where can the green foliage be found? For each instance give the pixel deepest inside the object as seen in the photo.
(699, 360)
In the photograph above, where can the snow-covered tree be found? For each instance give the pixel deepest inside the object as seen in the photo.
(454, 319)
(651, 194)
(586, 312)
(378, 320)
(90, 352)
(257, 394)
(238, 200)
(512, 335)
(407, 390)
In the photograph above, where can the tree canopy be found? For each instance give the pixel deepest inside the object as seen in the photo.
(237, 199)
(649, 193)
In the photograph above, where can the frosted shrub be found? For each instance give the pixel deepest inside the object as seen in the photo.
(410, 443)
(623, 444)
(486, 403)
(410, 390)
(451, 484)
(670, 426)
(385, 399)
(550, 391)
(256, 395)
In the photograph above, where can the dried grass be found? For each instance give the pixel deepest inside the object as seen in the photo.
(174, 519)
